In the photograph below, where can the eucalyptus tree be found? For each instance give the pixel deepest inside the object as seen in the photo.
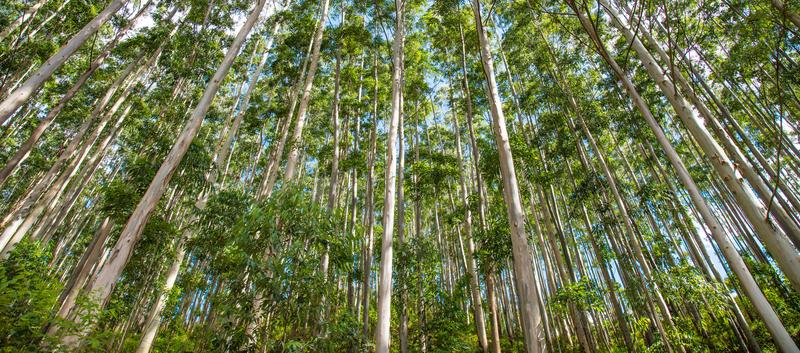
(526, 287)
(19, 96)
(103, 283)
(641, 195)
(390, 181)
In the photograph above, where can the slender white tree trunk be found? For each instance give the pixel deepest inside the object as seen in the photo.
(474, 284)
(370, 216)
(17, 22)
(523, 262)
(774, 238)
(291, 161)
(251, 85)
(334, 179)
(385, 285)
(24, 150)
(103, 282)
(154, 317)
(277, 151)
(735, 261)
(21, 95)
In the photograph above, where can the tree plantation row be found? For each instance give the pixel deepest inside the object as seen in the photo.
(400, 176)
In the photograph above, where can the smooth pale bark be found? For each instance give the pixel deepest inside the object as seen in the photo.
(523, 262)
(21, 95)
(334, 179)
(735, 261)
(291, 161)
(216, 161)
(370, 216)
(222, 155)
(268, 183)
(13, 221)
(401, 225)
(22, 18)
(89, 260)
(103, 283)
(474, 285)
(154, 317)
(775, 240)
(24, 150)
(390, 182)
(49, 199)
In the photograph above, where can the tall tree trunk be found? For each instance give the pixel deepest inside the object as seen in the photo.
(21, 95)
(24, 150)
(775, 239)
(401, 225)
(493, 319)
(103, 282)
(370, 216)
(332, 192)
(154, 317)
(735, 261)
(291, 161)
(474, 285)
(523, 266)
(390, 182)
(228, 137)
(276, 152)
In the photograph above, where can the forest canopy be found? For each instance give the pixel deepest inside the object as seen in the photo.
(399, 176)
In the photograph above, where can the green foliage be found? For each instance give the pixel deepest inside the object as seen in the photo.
(583, 294)
(494, 243)
(252, 279)
(432, 171)
(343, 333)
(448, 329)
(785, 301)
(28, 293)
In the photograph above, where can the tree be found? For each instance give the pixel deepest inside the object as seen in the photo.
(641, 196)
